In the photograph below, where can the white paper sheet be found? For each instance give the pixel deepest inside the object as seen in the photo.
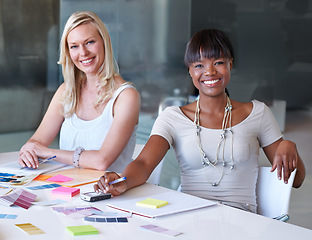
(177, 202)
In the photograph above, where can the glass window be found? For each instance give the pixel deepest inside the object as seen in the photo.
(28, 76)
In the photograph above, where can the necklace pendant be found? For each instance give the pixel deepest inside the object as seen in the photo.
(222, 135)
(232, 167)
(214, 184)
(224, 164)
(228, 108)
(197, 130)
(205, 163)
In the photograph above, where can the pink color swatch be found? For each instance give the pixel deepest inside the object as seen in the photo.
(19, 198)
(161, 230)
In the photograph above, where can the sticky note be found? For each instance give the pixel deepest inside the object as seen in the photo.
(67, 191)
(82, 230)
(59, 178)
(152, 203)
(30, 229)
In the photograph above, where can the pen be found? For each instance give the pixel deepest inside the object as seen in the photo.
(117, 180)
(40, 160)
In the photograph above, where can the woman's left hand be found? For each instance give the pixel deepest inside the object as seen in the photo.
(285, 159)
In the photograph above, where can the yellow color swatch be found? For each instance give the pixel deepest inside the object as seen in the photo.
(30, 229)
(152, 203)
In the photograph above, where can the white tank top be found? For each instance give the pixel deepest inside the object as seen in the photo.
(91, 134)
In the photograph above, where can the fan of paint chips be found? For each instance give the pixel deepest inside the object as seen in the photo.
(19, 198)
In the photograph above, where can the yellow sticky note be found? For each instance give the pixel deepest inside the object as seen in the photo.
(152, 203)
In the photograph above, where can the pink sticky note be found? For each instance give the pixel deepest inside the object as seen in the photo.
(68, 191)
(59, 178)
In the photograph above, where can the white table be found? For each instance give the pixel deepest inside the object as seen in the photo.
(217, 222)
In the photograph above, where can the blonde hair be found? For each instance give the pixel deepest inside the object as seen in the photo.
(75, 78)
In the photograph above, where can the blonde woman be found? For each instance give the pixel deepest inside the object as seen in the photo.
(95, 111)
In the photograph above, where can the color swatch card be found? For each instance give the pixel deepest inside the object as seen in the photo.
(103, 219)
(39, 187)
(19, 198)
(18, 178)
(12, 174)
(82, 230)
(152, 203)
(42, 177)
(49, 203)
(115, 214)
(66, 191)
(78, 212)
(70, 208)
(83, 213)
(8, 216)
(161, 230)
(30, 229)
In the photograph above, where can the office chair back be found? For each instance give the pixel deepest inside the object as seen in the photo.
(273, 195)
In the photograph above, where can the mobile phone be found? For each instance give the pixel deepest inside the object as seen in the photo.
(94, 196)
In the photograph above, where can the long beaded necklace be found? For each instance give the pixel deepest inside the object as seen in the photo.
(227, 120)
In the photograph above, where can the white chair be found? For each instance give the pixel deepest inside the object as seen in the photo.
(155, 176)
(273, 195)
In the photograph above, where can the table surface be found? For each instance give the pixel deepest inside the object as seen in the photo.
(217, 222)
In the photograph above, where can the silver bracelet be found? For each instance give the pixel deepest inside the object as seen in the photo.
(76, 156)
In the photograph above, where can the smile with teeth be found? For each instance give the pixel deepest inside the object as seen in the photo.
(209, 82)
(87, 61)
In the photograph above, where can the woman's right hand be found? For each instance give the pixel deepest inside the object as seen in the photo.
(28, 158)
(115, 189)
